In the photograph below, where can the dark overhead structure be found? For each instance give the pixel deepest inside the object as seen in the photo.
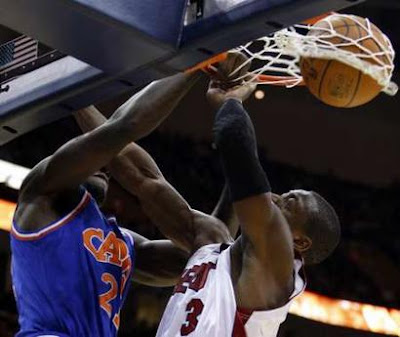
(117, 46)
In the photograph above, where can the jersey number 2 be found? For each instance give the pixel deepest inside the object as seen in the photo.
(110, 295)
(194, 310)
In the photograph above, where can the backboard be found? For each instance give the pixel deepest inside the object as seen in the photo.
(118, 46)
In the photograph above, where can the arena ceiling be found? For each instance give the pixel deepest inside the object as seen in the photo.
(359, 144)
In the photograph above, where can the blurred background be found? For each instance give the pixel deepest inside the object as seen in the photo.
(350, 156)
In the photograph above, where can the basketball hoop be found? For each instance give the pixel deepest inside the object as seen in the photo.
(276, 58)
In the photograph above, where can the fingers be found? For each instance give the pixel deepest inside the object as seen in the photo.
(236, 66)
(239, 92)
(229, 65)
(216, 86)
(233, 69)
(228, 79)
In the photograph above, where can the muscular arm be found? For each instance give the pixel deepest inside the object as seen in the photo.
(159, 263)
(157, 99)
(189, 229)
(137, 172)
(225, 212)
(82, 156)
(266, 247)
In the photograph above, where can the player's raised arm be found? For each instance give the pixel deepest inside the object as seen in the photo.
(225, 212)
(82, 156)
(137, 172)
(266, 243)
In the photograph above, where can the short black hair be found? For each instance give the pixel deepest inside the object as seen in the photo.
(323, 228)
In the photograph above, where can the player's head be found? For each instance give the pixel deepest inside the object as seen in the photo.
(97, 186)
(313, 221)
(124, 206)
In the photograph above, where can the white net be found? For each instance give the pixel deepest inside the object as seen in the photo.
(276, 57)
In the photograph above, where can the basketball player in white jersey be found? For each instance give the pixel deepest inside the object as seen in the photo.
(245, 287)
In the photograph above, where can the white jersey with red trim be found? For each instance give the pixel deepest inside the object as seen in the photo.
(204, 304)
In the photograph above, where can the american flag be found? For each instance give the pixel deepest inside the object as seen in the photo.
(17, 53)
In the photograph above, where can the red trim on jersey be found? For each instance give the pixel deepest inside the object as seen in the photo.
(244, 314)
(240, 321)
(53, 227)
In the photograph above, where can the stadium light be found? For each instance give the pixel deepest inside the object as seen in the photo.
(12, 175)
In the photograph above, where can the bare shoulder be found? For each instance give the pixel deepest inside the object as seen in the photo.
(209, 229)
(32, 184)
(36, 208)
(31, 202)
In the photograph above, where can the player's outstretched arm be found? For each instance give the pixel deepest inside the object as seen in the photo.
(158, 263)
(137, 172)
(265, 247)
(82, 156)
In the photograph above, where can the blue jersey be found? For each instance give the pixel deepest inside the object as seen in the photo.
(71, 277)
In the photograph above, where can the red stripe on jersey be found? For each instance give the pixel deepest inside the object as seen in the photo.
(241, 318)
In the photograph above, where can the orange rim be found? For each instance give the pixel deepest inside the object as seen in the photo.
(281, 80)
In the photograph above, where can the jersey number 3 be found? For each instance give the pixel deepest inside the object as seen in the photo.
(194, 310)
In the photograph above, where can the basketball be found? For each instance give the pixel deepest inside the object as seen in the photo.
(336, 83)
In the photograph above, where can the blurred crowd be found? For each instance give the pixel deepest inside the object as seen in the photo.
(364, 268)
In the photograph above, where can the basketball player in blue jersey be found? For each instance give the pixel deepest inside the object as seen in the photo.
(71, 266)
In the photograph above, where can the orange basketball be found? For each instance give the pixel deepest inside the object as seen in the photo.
(339, 84)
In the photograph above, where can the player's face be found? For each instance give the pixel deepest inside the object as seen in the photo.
(296, 206)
